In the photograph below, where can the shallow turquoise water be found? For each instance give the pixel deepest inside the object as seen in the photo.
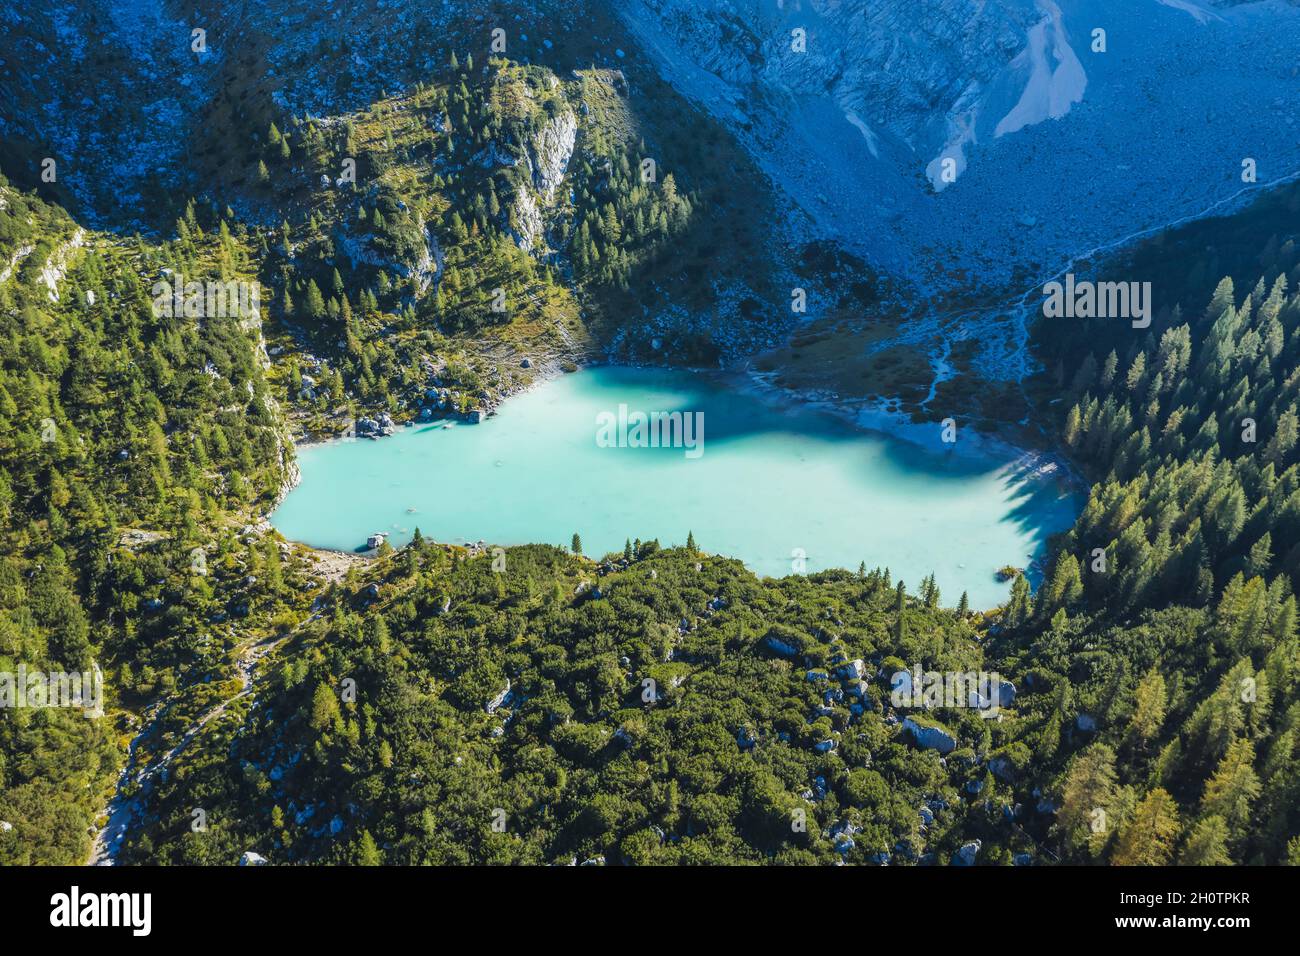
(770, 483)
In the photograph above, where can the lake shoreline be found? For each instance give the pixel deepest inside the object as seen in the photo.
(880, 419)
(897, 489)
(867, 417)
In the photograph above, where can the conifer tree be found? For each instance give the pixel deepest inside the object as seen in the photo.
(1149, 836)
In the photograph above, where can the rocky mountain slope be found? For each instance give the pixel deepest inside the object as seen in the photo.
(1057, 142)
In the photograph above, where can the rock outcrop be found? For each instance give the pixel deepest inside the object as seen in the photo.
(550, 152)
(526, 225)
(930, 737)
(967, 854)
(547, 159)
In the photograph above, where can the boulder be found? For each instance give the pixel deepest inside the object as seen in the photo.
(967, 854)
(852, 670)
(929, 737)
(1006, 695)
(252, 859)
(492, 705)
(1002, 768)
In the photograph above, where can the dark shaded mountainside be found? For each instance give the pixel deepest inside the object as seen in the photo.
(663, 705)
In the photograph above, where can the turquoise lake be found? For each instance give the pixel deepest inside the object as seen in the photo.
(783, 489)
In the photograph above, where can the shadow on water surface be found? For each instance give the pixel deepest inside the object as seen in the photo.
(736, 413)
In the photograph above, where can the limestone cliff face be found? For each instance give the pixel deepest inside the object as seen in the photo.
(285, 454)
(547, 160)
(526, 220)
(550, 152)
